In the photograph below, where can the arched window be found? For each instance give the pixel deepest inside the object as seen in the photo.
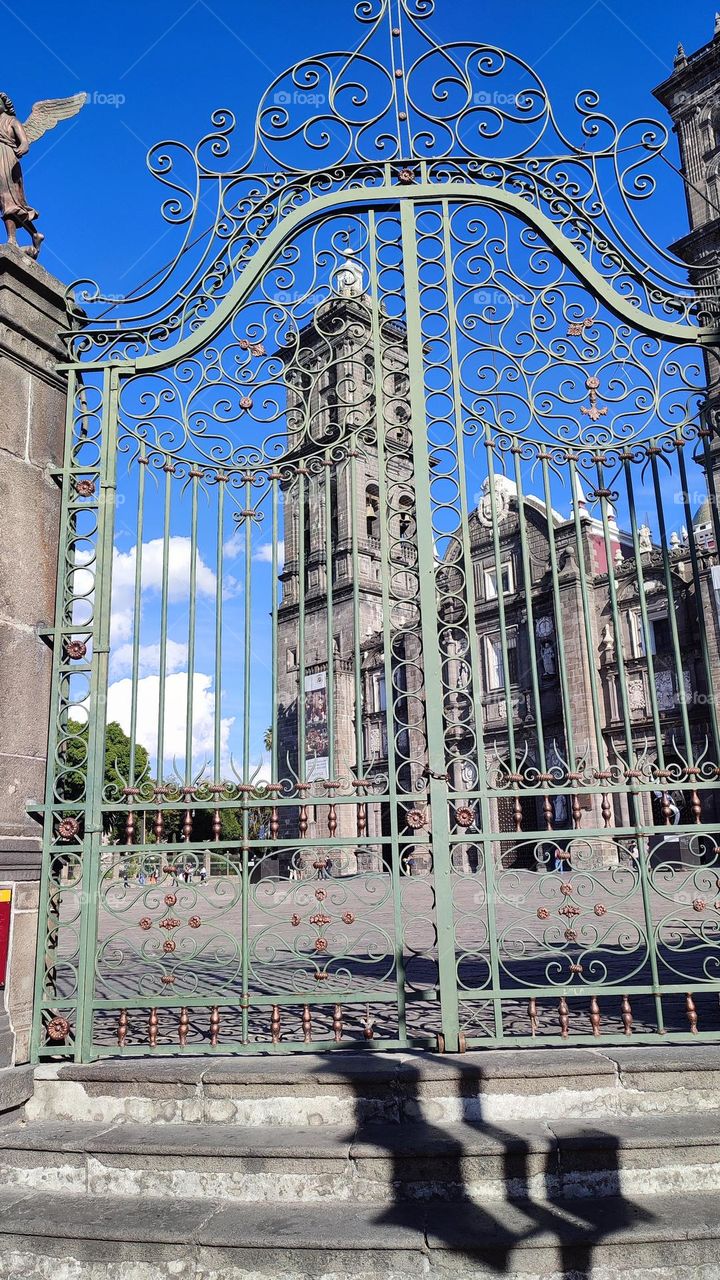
(372, 511)
(406, 517)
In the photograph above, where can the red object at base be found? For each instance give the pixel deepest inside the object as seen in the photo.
(5, 913)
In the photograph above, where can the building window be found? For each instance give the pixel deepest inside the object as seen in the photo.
(380, 696)
(372, 511)
(405, 522)
(508, 581)
(291, 659)
(494, 664)
(660, 635)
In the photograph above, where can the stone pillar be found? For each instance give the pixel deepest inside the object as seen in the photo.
(32, 417)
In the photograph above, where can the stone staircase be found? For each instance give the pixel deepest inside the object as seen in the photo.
(543, 1163)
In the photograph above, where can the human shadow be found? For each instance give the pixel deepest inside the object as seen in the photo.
(468, 1185)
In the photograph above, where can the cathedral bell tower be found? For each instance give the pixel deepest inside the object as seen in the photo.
(691, 96)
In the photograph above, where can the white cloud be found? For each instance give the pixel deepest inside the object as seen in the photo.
(203, 719)
(178, 568)
(234, 545)
(264, 553)
(149, 658)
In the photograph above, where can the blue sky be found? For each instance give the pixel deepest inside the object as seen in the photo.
(157, 70)
(173, 63)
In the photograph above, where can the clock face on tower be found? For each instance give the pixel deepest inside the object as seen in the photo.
(543, 628)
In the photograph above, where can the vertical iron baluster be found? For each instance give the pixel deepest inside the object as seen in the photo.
(137, 622)
(337, 1023)
(159, 823)
(701, 622)
(194, 474)
(387, 485)
(605, 805)
(563, 1017)
(129, 821)
(332, 816)
(214, 1026)
(328, 553)
(533, 1015)
(275, 1025)
(219, 592)
(302, 499)
(595, 1016)
(273, 790)
(307, 1024)
(577, 505)
(626, 1013)
(691, 1013)
(274, 478)
(183, 1026)
(187, 826)
(169, 470)
(153, 1028)
(122, 1027)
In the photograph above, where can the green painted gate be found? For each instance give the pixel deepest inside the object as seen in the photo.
(387, 616)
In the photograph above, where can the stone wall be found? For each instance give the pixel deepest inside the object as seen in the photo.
(32, 417)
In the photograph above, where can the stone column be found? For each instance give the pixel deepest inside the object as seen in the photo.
(32, 416)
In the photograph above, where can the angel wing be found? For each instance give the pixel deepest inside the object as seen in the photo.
(45, 115)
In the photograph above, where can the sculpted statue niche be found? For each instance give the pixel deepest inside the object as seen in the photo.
(15, 141)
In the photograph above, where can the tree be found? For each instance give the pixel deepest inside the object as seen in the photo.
(116, 771)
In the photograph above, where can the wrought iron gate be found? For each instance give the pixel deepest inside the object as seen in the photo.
(387, 623)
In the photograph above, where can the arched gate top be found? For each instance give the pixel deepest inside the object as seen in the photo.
(400, 109)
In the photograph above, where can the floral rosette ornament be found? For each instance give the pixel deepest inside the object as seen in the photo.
(68, 828)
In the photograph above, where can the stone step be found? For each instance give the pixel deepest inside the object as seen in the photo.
(44, 1235)
(480, 1162)
(349, 1089)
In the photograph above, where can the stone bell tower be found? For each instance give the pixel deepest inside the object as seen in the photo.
(332, 397)
(691, 95)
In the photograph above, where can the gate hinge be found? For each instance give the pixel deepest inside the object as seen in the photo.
(438, 777)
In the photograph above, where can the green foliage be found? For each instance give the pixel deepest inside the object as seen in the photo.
(117, 763)
(116, 775)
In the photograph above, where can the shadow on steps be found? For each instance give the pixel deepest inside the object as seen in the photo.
(535, 1212)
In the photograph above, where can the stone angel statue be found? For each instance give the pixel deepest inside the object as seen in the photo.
(15, 140)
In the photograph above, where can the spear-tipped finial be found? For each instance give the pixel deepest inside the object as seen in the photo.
(680, 56)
